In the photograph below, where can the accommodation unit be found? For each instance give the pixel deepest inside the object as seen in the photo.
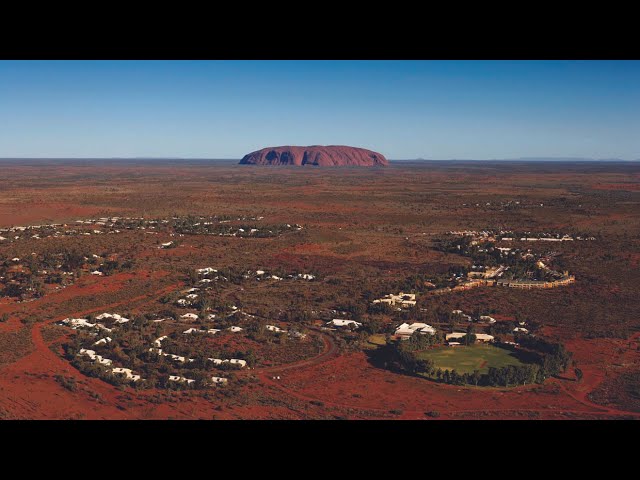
(206, 270)
(176, 378)
(404, 331)
(529, 284)
(404, 300)
(117, 318)
(273, 328)
(484, 337)
(480, 337)
(231, 361)
(487, 318)
(339, 322)
(128, 374)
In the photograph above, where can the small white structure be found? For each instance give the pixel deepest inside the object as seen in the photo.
(206, 270)
(483, 337)
(404, 331)
(103, 341)
(116, 318)
(166, 245)
(93, 356)
(520, 330)
(480, 337)
(189, 316)
(340, 322)
(219, 380)
(273, 328)
(175, 378)
(232, 361)
(77, 322)
(402, 299)
(97, 272)
(487, 318)
(234, 329)
(305, 276)
(127, 373)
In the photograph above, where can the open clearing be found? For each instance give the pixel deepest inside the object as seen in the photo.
(466, 359)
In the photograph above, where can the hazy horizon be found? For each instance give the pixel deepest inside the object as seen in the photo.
(515, 159)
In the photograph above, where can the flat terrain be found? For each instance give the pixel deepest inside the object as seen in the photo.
(466, 359)
(364, 232)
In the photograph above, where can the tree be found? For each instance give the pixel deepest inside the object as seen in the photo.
(475, 377)
(579, 375)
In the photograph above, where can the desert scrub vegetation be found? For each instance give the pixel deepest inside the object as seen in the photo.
(15, 345)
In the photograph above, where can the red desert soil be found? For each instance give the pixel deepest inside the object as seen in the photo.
(16, 214)
(616, 186)
(351, 382)
(330, 155)
(28, 388)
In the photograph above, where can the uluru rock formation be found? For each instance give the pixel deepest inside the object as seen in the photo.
(323, 156)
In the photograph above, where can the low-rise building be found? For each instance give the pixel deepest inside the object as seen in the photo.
(404, 331)
(339, 322)
(404, 300)
(480, 337)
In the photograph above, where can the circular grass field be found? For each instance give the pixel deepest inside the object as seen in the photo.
(466, 359)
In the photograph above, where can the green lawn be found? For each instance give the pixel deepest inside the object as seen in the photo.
(466, 359)
(377, 339)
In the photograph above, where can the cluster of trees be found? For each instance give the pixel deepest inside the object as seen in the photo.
(552, 359)
(111, 266)
(487, 254)
(555, 357)
(28, 281)
(130, 348)
(242, 230)
(512, 375)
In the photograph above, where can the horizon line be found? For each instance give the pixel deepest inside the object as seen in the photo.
(419, 159)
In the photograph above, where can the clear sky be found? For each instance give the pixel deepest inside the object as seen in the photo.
(403, 109)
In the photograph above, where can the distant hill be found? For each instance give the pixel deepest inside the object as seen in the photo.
(317, 155)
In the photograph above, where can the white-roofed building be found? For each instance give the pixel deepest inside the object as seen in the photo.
(339, 322)
(404, 331)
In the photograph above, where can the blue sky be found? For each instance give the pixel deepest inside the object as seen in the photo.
(403, 109)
